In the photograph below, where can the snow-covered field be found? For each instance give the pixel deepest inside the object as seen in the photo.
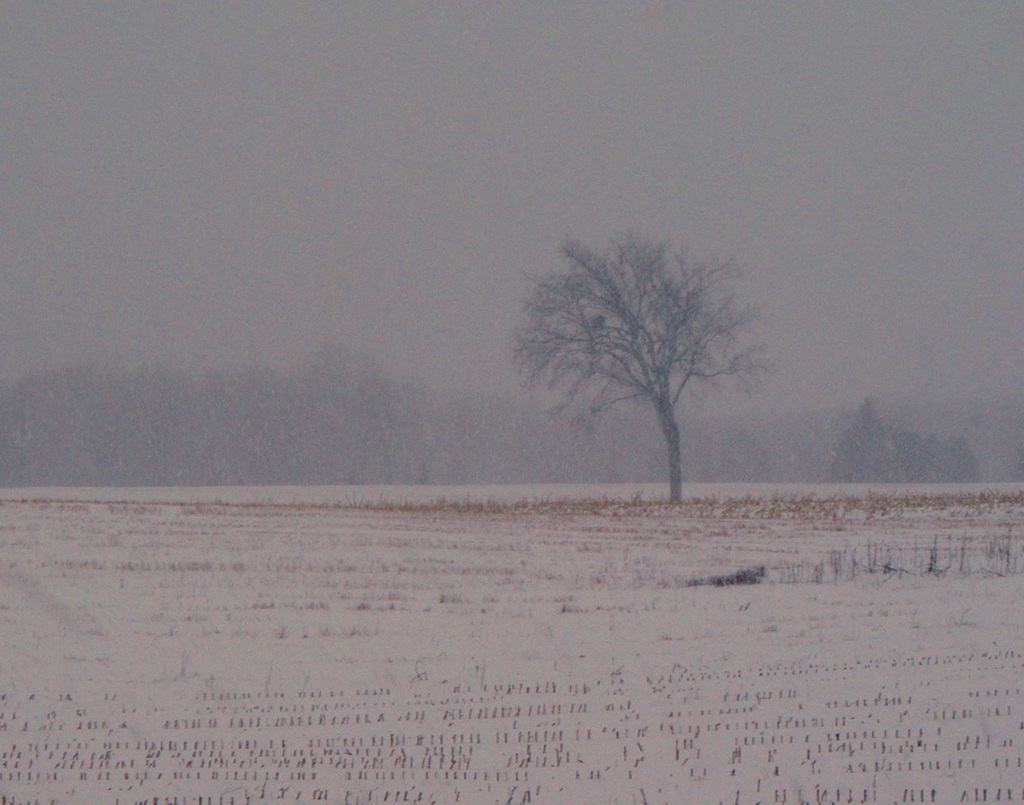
(251, 645)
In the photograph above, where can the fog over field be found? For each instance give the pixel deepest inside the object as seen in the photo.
(235, 184)
(279, 520)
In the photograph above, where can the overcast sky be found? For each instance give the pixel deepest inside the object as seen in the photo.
(213, 184)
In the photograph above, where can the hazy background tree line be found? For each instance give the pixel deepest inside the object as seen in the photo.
(339, 419)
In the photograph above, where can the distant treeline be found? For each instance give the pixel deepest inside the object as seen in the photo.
(339, 419)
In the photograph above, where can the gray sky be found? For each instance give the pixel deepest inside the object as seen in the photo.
(236, 183)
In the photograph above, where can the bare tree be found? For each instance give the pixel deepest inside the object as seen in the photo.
(636, 322)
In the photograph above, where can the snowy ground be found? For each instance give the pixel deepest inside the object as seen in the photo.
(231, 646)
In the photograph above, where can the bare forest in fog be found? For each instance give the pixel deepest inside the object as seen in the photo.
(340, 419)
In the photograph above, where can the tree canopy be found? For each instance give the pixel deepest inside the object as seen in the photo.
(638, 321)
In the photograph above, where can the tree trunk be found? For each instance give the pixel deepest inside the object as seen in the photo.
(670, 430)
